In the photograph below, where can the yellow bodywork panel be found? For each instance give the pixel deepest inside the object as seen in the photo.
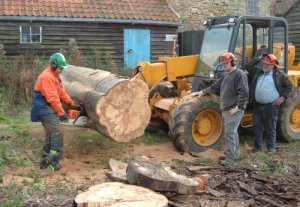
(296, 67)
(163, 107)
(180, 66)
(151, 73)
(294, 76)
(168, 68)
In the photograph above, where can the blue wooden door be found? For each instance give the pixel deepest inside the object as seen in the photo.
(136, 47)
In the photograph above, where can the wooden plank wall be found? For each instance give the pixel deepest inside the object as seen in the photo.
(293, 18)
(89, 37)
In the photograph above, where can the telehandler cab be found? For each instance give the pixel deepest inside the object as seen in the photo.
(196, 124)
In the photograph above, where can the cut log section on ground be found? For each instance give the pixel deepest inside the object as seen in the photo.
(118, 107)
(118, 171)
(145, 172)
(119, 194)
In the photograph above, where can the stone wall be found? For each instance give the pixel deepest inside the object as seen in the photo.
(194, 12)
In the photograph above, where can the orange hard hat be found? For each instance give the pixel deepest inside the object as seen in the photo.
(269, 59)
(226, 57)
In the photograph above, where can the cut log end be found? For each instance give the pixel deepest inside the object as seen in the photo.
(124, 110)
(118, 107)
(119, 194)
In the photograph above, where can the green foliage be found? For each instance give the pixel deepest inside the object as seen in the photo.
(243, 156)
(35, 176)
(5, 153)
(295, 146)
(151, 139)
(280, 169)
(12, 202)
(11, 157)
(264, 163)
(181, 164)
(11, 196)
(87, 138)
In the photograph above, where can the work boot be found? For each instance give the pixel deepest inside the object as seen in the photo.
(43, 163)
(226, 162)
(255, 150)
(272, 151)
(55, 166)
(44, 160)
(221, 158)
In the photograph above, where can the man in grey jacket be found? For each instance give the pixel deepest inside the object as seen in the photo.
(234, 92)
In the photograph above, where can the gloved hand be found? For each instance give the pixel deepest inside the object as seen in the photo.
(198, 94)
(63, 117)
(75, 106)
(234, 110)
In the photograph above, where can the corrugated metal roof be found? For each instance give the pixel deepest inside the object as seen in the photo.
(153, 10)
(281, 7)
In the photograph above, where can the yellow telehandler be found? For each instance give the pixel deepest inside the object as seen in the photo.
(196, 124)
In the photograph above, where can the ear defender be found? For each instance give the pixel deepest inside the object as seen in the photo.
(233, 61)
(54, 65)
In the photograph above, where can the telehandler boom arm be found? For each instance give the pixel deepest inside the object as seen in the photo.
(168, 68)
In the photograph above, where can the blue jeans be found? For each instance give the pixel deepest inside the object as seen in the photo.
(265, 120)
(53, 145)
(231, 125)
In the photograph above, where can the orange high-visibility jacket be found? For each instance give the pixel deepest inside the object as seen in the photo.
(52, 88)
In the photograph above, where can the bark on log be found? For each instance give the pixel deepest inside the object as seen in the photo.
(144, 172)
(117, 106)
(119, 194)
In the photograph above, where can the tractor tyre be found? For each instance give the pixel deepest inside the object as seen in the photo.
(196, 124)
(165, 90)
(288, 128)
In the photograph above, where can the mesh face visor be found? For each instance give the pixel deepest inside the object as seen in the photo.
(269, 59)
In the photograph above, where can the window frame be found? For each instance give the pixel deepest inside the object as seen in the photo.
(252, 8)
(30, 34)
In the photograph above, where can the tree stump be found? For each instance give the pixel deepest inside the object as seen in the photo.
(121, 195)
(118, 107)
(145, 172)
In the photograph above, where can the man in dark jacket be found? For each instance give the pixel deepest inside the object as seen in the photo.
(234, 94)
(269, 89)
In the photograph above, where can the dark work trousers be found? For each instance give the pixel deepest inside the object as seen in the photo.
(53, 145)
(264, 123)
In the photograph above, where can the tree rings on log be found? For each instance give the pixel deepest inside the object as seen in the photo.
(145, 172)
(118, 107)
(114, 194)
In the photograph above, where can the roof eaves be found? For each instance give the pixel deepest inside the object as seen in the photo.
(91, 20)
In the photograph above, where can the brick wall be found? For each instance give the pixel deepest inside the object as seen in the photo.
(194, 12)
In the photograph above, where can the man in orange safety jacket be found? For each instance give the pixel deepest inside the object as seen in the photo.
(48, 96)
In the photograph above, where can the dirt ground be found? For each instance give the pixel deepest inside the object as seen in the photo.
(85, 162)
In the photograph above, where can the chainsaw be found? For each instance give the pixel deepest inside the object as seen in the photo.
(76, 118)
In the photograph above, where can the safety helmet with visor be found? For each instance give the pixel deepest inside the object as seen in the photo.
(269, 59)
(59, 60)
(226, 58)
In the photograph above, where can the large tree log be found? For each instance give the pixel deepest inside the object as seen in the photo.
(119, 194)
(117, 106)
(145, 172)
